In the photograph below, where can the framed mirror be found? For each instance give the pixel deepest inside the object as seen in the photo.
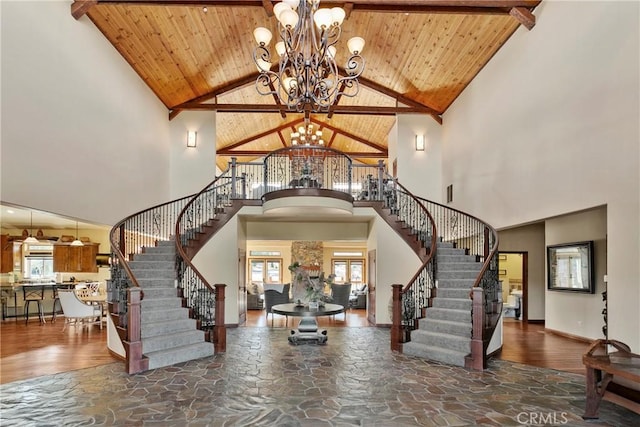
(570, 267)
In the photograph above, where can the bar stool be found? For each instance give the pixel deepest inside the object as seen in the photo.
(33, 294)
(56, 301)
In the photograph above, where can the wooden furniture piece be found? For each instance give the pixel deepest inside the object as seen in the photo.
(75, 259)
(602, 367)
(6, 254)
(308, 326)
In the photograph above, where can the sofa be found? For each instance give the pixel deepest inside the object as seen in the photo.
(358, 297)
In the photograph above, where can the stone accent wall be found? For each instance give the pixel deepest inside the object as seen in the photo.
(307, 252)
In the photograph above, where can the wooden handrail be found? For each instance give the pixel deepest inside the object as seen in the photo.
(485, 314)
(128, 312)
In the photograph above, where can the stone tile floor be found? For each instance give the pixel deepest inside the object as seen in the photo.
(262, 380)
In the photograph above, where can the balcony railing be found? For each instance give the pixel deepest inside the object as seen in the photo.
(188, 219)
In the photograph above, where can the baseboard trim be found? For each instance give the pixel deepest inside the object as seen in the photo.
(571, 336)
(116, 355)
(495, 353)
(536, 321)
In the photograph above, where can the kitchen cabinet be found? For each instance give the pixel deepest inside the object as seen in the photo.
(75, 259)
(6, 254)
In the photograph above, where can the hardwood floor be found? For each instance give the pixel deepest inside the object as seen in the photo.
(33, 350)
(531, 344)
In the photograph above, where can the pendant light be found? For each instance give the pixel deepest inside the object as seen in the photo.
(31, 240)
(77, 242)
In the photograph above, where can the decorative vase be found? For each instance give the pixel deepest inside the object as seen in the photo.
(313, 305)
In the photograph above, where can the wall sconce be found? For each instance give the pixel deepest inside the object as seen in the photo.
(191, 138)
(419, 142)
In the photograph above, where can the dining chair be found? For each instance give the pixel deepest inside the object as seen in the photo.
(76, 312)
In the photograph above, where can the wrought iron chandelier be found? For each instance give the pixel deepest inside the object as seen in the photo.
(306, 135)
(307, 77)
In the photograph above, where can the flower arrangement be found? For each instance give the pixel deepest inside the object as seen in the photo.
(309, 288)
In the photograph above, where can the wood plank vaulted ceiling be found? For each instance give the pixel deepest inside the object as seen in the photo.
(198, 55)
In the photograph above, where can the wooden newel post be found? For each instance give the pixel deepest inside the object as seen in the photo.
(219, 329)
(133, 344)
(478, 358)
(396, 318)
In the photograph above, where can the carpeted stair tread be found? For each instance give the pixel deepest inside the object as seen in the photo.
(161, 358)
(437, 354)
(462, 329)
(442, 340)
(176, 339)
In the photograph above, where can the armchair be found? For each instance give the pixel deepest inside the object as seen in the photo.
(76, 311)
(340, 295)
(275, 294)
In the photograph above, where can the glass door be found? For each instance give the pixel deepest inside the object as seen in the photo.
(264, 270)
(348, 270)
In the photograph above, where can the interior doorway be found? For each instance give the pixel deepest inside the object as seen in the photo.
(513, 274)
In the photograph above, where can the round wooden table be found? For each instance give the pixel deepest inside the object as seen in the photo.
(308, 326)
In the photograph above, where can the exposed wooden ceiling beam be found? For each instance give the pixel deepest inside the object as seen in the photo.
(397, 6)
(350, 135)
(339, 109)
(293, 124)
(268, 7)
(240, 153)
(80, 7)
(194, 103)
(524, 16)
(284, 143)
(262, 134)
(348, 8)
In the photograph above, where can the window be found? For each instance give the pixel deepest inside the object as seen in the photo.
(349, 270)
(263, 270)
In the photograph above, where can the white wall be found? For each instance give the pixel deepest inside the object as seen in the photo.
(217, 261)
(420, 171)
(192, 169)
(307, 230)
(549, 127)
(79, 126)
(396, 263)
(577, 313)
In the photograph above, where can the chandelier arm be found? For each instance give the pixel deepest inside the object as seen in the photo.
(308, 78)
(266, 81)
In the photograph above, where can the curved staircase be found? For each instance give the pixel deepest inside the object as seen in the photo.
(168, 335)
(166, 312)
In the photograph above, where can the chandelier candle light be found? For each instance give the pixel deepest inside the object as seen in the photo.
(307, 77)
(306, 136)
